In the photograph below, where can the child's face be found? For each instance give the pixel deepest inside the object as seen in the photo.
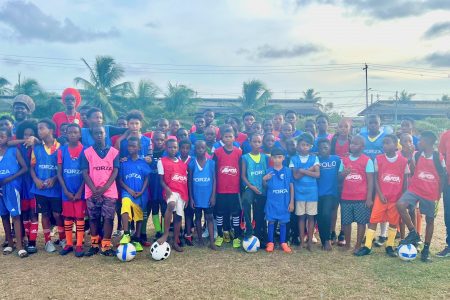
(356, 145)
(324, 149)
(6, 124)
(256, 142)
(209, 117)
(389, 146)
(256, 128)
(122, 123)
(233, 124)
(286, 130)
(96, 118)
(83, 115)
(406, 142)
(291, 118)
(311, 128)
(248, 121)
(200, 124)
(424, 143)
(268, 126)
(172, 149)
(228, 139)
(373, 126)
(163, 126)
(406, 127)
(200, 149)
(277, 160)
(3, 138)
(134, 125)
(182, 135)
(133, 147)
(269, 141)
(210, 135)
(63, 130)
(174, 126)
(28, 132)
(73, 134)
(185, 150)
(303, 147)
(99, 135)
(43, 131)
(344, 128)
(291, 147)
(277, 121)
(158, 140)
(322, 125)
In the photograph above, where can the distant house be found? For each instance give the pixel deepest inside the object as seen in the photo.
(416, 109)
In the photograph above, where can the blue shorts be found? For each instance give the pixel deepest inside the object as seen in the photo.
(10, 201)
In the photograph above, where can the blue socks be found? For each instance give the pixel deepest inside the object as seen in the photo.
(271, 230)
(282, 233)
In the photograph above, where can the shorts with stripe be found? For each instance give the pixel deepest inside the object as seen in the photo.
(9, 201)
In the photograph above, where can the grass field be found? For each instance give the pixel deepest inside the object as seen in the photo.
(228, 273)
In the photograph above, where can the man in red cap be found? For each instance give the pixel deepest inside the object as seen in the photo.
(71, 99)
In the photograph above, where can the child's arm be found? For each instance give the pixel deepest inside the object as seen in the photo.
(29, 142)
(245, 180)
(63, 184)
(80, 191)
(88, 181)
(291, 194)
(190, 189)
(314, 171)
(23, 169)
(127, 188)
(266, 178)
(144, 187)
(39, 183)
(212, 200)
(378, 188)
(369, 200)
(296, 173)
(107, 185)
(165, 187)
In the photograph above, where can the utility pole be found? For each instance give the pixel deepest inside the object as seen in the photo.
(367, 87)
(396, 109)
(371, 99)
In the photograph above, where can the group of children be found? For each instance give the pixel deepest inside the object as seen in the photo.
(269, 179)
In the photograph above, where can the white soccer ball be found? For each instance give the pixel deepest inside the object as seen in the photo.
(126, 252)
(407, 252)
(160, 252)
(251, 244)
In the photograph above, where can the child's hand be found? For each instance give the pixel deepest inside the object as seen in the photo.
(291, 207)
(346, 171)
(69, 195)
(30, 141)
(369, 202)
(148, 159)
(192, 204)
(124, 159)
(77, 196)
(212, 201)
(39, 183)
(255, 189)
(50, 182)
(268, 176)
(382, 198)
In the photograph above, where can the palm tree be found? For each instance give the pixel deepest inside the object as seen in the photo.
(179, 102)
(404, 96)
(103, 88)
(311, 95)
(445, 98)
(255, 98)
(4, 89)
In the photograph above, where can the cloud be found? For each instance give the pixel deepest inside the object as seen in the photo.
(269, 52)
(385, 9)
(438, 59)
(28, 22)
(438, 29)
(152, 25)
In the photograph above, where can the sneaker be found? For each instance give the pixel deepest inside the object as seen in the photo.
(236, 243)
(380, 242)
(188, 240)
(314, 239)
(117, 233)
(333, 238)
(286, 248)
(412, 238)
(63, 243)
(109, 252)
(425, 255)
(125, 239)
(66, 250)
(270, 247)
(79, 252)
(226, 237)
(146, 244)
(5, 244)
(50, 247)
(390, 251)
(31, 249)
(219, 241)
(444, 253)
(341, 239)
(205, 234)
(363, 251)
(295, 241)
(138, 247)
(92, 251)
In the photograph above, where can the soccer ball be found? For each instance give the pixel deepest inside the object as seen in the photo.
(126, 252)
(251, 244)
(160, 252)
(407, 252)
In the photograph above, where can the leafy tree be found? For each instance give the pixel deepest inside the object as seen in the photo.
(405, 96)
(4, 87)
(255, 98)
(310, 95)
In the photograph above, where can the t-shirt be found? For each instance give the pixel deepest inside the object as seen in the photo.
(354, 186)
(133, 173)
(256, 168)
(174, 173)
(305, 187)
(373, 145)
(327, 183)
(69, 159)
(278, 195)
(61, 117)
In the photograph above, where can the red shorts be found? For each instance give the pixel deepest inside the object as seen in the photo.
(384, 212)
(74, 209)
(28, 204)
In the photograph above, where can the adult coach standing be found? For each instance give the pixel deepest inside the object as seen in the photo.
(23, 107)
(71, 99)
(444, 149)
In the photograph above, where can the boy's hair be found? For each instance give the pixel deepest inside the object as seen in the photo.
(208, 110)
(323, 116)
(405, 135)
(276, 151)
(266, 120)
(238, 122)
(289, 111)
(184, 142)
(73, 125)
(135, 114)
(49, 123)
(158, 132)
(198, 117)
(267, 134)
(162, 120)
(135, 139)
(8, 118)
(393, 137)
(429, 135)
(410, 120)
(373, 116)
(226, 129)
(277, 114)
(257, 123)
(181, 129)
(93, 111)
(29, 123)
(210, 127)
(359, 137)
(255, 134)
(306, 137)
(323, 141)
(65, 124)
(248, 113)
(5, 130)
(171, 141)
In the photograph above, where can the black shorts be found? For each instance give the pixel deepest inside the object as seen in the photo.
(354, 211)
(47, 205)
(227, 204)
(188, 211)
(198, 212)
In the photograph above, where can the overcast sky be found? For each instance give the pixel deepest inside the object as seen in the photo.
(213, 46)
